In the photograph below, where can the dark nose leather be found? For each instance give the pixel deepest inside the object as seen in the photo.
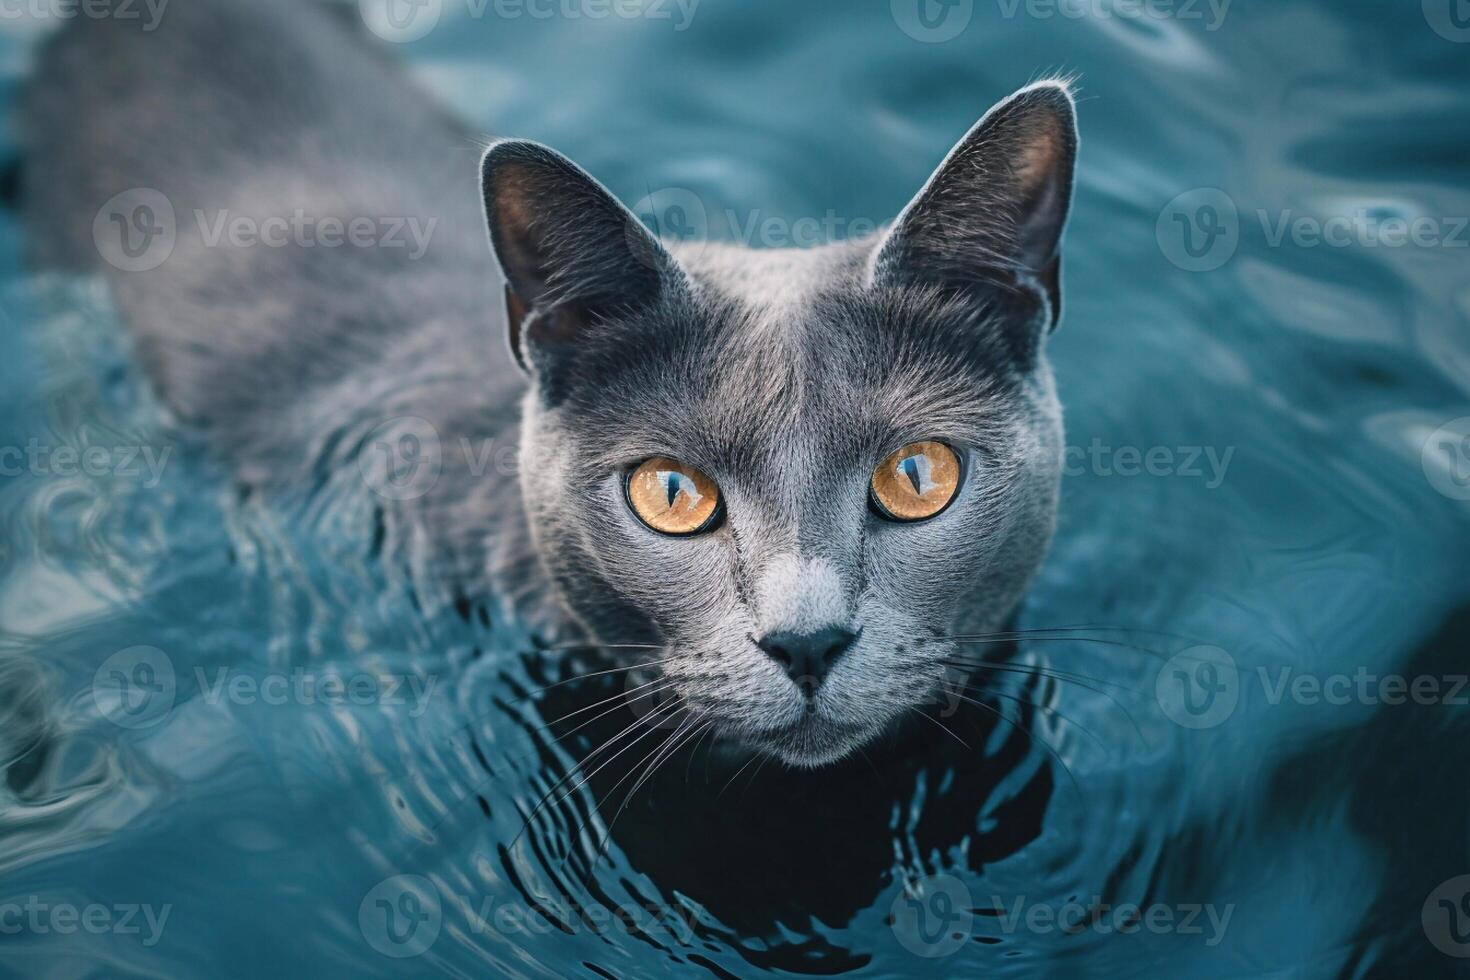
(807, 657)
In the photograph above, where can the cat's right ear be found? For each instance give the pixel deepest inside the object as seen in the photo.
(571, 253)
(989, 222)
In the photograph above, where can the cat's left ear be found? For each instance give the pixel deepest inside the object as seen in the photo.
(992, 214)
(571, 253)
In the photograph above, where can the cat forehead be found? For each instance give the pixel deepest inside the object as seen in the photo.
(774, 350)
(816, 308)
(774, 283)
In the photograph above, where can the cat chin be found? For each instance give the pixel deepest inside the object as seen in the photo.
(810, 745)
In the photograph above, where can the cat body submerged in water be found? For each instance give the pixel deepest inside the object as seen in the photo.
(799, 474)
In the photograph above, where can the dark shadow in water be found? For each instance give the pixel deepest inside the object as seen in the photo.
(1406, 778)
(767, 849)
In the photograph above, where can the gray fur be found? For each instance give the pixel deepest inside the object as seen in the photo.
(786, 376)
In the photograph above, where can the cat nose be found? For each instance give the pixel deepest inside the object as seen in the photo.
(807, 657)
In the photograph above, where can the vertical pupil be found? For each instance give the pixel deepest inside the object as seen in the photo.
(919, 469)
(673, 483)
(910, 469)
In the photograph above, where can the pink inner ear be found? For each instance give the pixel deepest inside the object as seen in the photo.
(1039, 155)
(511, 201)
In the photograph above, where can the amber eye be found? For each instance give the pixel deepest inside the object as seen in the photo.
(916, 482)
(673, 498)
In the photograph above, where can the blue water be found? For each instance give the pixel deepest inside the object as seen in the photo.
(1264, 526)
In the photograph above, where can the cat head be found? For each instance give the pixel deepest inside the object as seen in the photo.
(799, 471)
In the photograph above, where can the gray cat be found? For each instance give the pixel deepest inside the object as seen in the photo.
(797, 472)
